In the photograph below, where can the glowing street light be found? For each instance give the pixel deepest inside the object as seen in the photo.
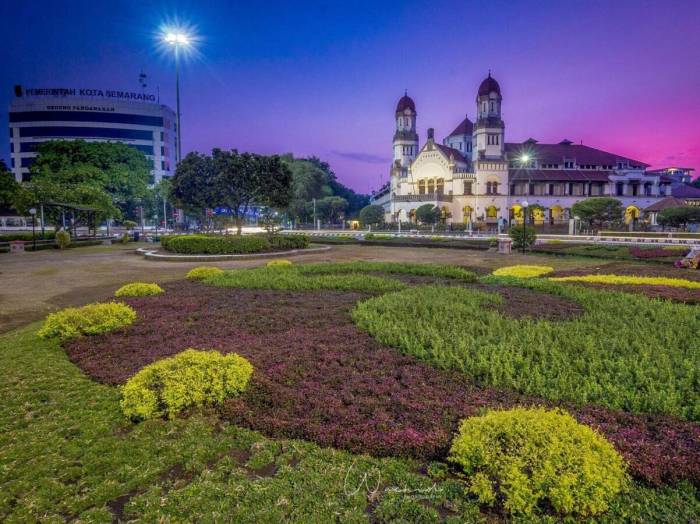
(525, 158)
(180, 41)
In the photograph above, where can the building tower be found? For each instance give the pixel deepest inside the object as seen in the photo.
(487, 141)
(405, 137)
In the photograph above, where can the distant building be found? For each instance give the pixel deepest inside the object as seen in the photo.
(475, 176)
(94, 115)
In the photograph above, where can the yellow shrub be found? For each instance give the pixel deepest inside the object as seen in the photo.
(523, 271)
(279, 262)
(529, 457)
(630, 280)
(92, 319)
(191, 378)
(202, 272)
(138, 289)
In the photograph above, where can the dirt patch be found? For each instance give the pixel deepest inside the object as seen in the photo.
(522, 303)
(318, 378)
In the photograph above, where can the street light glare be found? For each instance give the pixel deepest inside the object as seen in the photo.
(525, 157)
(177, 38)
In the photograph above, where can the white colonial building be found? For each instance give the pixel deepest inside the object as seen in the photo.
(475, 176)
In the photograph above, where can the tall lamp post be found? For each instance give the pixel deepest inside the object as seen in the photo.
(32, 212)
(524, 205)
(179, 41)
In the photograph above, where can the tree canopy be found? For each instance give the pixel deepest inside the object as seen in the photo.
(232, 180)
(678, 216)
(9, 188)
(314, 179)
(428, 214)
(372, 215)
(105, 175)
(598, 210)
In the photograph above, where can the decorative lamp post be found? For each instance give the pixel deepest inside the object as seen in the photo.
(524, 205)
(32, 212)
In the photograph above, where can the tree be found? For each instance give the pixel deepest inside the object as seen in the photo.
(330, 208)
(9, 188)
(598, 210)
(192, 183)
(678, 216)
(104, 175)
(372, 215)
(428, 214)
(523, 236)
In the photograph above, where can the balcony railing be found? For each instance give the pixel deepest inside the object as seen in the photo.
(428, 197)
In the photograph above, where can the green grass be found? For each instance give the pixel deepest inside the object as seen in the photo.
(625, 352)
(432, 270)
(67, 453)
(290, 278)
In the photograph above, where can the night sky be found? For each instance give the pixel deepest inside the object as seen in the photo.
(323, 78)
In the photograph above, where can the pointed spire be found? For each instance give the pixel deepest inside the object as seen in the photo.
(405, 92)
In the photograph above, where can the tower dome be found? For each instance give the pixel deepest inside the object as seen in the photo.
(405, 102)
(489, 85)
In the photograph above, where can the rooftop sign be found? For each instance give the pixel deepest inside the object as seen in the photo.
(83, 92)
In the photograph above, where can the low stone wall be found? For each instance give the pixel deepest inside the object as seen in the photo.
(164, 256)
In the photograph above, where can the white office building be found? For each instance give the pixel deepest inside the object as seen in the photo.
(104, 115)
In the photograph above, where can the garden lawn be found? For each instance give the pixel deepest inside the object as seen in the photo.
(626, 352)
(319, 378)
(67, 453)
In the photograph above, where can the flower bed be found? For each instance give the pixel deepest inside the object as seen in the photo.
(232, 244)
(630, 280)
(523, 271)
(659, 252)
(321, 379)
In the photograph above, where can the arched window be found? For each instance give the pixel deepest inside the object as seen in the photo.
(440, 186)
(494, 188)
(488, 188)
(421, 187)
(491, 212)
(431, 186)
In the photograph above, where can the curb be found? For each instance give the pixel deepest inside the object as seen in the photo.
(153, 254)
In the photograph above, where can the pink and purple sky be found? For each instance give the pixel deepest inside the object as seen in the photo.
(323, 78)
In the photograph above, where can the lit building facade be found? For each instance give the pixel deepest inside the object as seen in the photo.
(93, 115)
(475, 177)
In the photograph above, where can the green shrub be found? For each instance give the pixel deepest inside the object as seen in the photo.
(360, 266)
(63, 239)
(124, 238)
(278, 262)
(9, 237)
(288, 242)
(369, 236)
(189, 379)
(92, 319)
(532, 457)
(202, 272)
(129, 224)
(138, 289)
(523, 236)
(232, 244)
(624, 351)
(294, 280)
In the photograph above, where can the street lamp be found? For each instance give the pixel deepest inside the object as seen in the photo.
(524, 205)
(180, 41)
(32, 212)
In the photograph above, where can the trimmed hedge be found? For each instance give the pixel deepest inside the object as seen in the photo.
(189, 379)
(232, 244)
(138, 289)
(92, 319)
(9, 237)
(531, 457)
(202, 272)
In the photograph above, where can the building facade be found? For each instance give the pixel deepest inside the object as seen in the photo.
(94, 115)
(475, 177)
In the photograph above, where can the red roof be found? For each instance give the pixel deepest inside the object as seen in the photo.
(488, 85)
(405, 102)
(464, 128)
(451, 151)
(685, 191)
(556, 153)
(557, 175)
(665, 203)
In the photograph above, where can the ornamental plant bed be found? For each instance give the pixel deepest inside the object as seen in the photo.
(317, 377)
(232, 244)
